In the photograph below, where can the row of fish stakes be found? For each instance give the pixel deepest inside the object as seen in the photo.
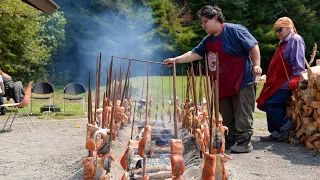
(198, 124)
(96, 165)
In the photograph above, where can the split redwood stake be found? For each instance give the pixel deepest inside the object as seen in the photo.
(125, 83)
(90, 153)
(134, 112)
(110, 80)
(169, 110)
(112, 115)
(139, 60)
(146, 123)
(104, 109)
(194, 89)
(115, 94)
(182, 90)
(89, 101)
(162, 114)
(176, 150)
(208, 84)
(175, 102)
(200, 90)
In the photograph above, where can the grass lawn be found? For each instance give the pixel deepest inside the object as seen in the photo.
(73, 109)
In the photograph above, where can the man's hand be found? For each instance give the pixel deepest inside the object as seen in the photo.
(293, 84)
(257, 71)
(168, 62)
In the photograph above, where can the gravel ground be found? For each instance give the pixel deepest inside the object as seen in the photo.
(55, 149)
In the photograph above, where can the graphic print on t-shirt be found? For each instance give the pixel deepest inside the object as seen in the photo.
(212, 58)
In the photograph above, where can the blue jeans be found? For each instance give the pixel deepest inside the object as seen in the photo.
(275, 107)
(3, 109)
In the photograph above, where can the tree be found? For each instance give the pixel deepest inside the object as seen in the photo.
(25, 46)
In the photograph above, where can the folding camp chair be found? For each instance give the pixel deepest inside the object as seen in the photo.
(43, 91)
(17, 106)
(72, 91)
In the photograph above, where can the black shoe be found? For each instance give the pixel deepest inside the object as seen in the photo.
(229, 144)
(285, 131)
(269, 138)
(242, 147)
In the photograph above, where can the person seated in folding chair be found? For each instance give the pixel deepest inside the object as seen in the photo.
(2, 92)
(13, 89)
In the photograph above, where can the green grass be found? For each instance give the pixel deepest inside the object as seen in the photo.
(155, 87)
(259, 88)
(73, 109)
(259, 115)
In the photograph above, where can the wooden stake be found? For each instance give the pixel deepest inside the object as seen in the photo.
(162, 114)
(112, 113)
(182, 97)
(169, 110)
(147, 102)
(89, 101)
(175, 102)
(208, 85)
(104, 118)
(138, 60)
(216, 94)
(200, 90)
(115, 94)
(194, 90)
(134, 112)
(125, 83)
(110, 79)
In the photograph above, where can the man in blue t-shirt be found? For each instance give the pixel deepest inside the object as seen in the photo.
(238, 54)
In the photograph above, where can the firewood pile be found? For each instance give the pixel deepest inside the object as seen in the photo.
(304, 109)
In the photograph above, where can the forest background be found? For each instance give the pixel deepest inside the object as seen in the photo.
(64, 47)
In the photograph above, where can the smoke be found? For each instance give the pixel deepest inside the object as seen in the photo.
(128, 33)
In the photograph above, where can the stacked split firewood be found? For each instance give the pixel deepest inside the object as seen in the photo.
(304, 109)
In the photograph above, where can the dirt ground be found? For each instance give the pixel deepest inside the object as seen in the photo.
(54, 149)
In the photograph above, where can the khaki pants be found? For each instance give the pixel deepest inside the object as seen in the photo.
(237, 113)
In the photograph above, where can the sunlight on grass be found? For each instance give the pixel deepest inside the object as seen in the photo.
(259, 115)
(73, 109)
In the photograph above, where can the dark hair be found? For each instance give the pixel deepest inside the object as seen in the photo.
(210, 12)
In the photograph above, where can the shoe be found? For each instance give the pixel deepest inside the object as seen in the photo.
(285, 131)
(269, 138)
(242, 147)
(229, 144)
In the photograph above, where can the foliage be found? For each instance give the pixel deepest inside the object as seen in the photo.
(35, 46)
(26, 42)
(259, 19)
